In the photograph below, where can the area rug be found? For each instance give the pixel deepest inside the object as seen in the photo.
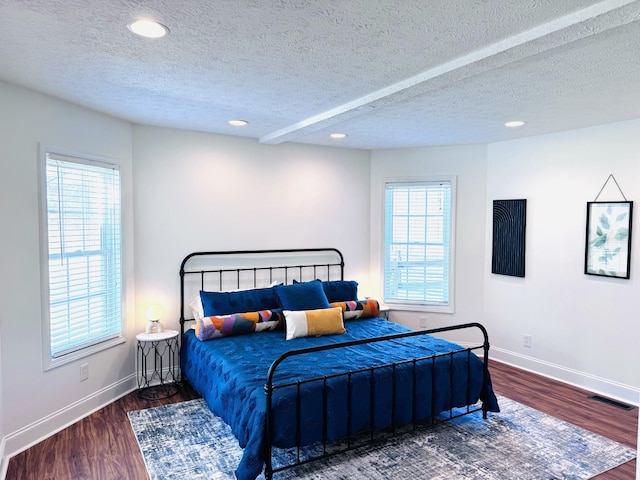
(186, 441)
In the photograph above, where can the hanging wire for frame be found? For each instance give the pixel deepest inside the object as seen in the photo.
(605, 184)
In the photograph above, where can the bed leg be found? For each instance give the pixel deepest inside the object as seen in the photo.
(268, 468)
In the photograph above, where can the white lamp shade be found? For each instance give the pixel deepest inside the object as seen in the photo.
(154, 313)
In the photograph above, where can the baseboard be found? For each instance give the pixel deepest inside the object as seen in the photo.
(24, 438)
(593, 383)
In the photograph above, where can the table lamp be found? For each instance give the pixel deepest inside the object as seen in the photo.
(154, 314)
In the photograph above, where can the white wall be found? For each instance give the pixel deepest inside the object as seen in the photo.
(202, 192)
(468, 164)
(34, 402)
(584, 328)
(3, 463)
(190, 191)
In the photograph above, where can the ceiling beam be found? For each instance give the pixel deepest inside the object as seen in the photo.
(561, 31)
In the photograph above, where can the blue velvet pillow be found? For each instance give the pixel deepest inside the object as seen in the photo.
(339, 290)
(225, 303)
(302, 296)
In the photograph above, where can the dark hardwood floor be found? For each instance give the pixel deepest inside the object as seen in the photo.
(573, 405)
(102, 446)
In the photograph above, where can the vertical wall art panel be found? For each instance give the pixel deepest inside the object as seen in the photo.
(509, 222)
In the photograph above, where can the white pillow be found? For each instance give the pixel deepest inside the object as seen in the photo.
(197, 310)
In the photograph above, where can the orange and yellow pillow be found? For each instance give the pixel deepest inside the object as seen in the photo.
(311, 323)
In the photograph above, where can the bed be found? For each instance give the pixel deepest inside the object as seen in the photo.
(293, 377)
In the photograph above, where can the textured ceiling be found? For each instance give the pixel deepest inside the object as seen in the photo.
(389, 73)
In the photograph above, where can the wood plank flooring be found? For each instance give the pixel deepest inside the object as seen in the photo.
(102, 446)
(572, 405)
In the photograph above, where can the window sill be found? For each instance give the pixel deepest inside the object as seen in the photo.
(51, 363)
(419, 308)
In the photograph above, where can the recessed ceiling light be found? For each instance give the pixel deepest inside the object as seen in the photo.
(338, 136)
(238, 123)
(148, 28)
(514, 123)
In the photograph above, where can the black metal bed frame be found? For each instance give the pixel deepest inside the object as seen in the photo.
(323, 270)
(285, 270)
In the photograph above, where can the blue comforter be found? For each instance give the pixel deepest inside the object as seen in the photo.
(230, 373)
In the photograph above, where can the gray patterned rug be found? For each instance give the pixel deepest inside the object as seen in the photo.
(186, 441)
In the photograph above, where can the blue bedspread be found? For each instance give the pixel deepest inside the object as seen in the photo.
(230, 374)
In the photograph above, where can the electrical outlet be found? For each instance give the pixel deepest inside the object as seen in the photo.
(422, 322)
(84, 372)
(526, 340)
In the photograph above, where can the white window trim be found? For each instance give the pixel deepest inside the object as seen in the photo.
(48, 362)
(450, 308)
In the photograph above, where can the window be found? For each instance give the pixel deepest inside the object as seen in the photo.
(418, 240)
(82, 282)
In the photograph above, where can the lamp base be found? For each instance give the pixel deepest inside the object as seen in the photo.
(154, 327)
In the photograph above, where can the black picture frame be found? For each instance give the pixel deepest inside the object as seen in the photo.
(608, 239)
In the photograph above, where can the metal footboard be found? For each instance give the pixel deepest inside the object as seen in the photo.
(357, 439)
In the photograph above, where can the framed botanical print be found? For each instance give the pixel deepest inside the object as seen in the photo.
(608, 239)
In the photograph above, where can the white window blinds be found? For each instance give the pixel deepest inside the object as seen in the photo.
(84, 246)
(417, 246)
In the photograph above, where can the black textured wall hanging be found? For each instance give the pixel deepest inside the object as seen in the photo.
(509, 225)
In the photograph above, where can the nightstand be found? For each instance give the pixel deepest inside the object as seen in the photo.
(157, 359)
(384, 312)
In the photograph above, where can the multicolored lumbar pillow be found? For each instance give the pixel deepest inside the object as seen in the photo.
(211, 327)
(368, 308)
(309, 323)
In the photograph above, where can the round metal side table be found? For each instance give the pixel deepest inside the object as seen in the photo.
(157, 359)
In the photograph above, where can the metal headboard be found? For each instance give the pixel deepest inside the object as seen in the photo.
(220, 270)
